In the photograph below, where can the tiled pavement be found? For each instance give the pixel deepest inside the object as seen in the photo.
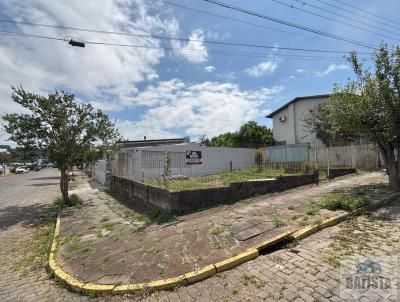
(305, 272)
(100, 243)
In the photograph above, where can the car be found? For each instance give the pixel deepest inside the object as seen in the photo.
(21, 170)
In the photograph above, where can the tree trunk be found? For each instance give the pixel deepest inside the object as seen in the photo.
(392, 163)
(64, 184)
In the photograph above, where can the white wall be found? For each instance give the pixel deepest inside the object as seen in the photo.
(302, 110)
(293, 130)
(283, 131)
(100, 171)
(149, 161)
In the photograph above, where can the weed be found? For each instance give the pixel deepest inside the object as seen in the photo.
(291, 207)
(104, 219)
(217, 230)
(317, 222)
(279, 222)
(220, 244)
(342, 202)
(153, 250)
(109, 226)
(248, 279)
(107, 257)
(222, 275)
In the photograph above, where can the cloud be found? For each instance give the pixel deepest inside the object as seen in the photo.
(95, 72)
(331, 68)
(300, 71)
(207, 108)
(194, 50)
(264, 68)
(209, 69)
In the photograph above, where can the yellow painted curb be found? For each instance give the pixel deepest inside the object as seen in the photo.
(311, 229)
(305, 232)
(333, 221)
(250, 254)
(98, 288)
(129, 288)
(167, 283)
(201, 274)
(188, 278)
(273, 241)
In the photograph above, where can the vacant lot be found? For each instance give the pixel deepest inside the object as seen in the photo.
(222, 179)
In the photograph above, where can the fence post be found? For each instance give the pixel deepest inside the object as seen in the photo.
(167, 164)
(327, 161)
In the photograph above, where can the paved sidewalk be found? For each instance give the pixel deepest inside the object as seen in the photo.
(107, 243)
(308, 272)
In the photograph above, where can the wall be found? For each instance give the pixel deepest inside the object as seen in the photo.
(293, 130)
(302, 110)
(283, 131)
(148, 162)
(164, 199)
(363, 156)
(100, 171)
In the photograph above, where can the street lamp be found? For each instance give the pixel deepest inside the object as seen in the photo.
(76, 43)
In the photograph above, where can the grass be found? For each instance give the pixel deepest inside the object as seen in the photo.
(217, 230)
(218, 245)
(279, 222)
(336, 202)
(219, 180)
(37, 250)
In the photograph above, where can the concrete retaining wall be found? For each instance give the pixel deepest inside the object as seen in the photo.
(187, 200)
(336, 172)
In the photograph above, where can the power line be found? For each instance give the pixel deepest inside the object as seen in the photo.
(355, 12)
(366, 12)
(346, 17)
(305, 28)
(237, 20)
(334, 20)
(172, 38)
(213, 51)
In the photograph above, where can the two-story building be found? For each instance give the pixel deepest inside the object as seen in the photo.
(288, 120)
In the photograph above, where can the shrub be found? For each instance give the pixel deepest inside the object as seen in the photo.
(73, 200)
(279, 222)
(342, 202)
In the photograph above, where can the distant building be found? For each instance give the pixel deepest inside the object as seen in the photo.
(154, 142)
(288, 120)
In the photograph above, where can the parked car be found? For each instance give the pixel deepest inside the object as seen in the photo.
(21, 170)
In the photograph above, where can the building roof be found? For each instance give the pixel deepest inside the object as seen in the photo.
(154, 142)
(295, 100)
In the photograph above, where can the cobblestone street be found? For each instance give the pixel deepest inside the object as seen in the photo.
(304, 272)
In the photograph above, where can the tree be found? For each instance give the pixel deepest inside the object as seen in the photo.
(253, 134)
(66, 131)
(369, 107)
(249, 134)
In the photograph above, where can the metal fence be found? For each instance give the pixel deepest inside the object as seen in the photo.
(362, 156)
(270, 161)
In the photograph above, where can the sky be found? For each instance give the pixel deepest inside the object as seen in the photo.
(184, 86)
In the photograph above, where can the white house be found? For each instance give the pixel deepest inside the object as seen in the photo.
(288, 120)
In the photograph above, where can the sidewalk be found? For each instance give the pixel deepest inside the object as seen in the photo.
(107, 243)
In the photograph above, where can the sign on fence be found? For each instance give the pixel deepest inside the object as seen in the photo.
(193, 157)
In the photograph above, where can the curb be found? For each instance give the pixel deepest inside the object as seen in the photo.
(204, 272)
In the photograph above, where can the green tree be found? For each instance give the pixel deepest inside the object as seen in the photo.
(249, 134)
(66, 131)
(227, 139)
(369, 107)
(253, 134)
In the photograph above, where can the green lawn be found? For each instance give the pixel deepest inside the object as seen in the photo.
(222, 179)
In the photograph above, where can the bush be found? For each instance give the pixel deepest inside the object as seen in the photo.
(342, 202)
(73, 200)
